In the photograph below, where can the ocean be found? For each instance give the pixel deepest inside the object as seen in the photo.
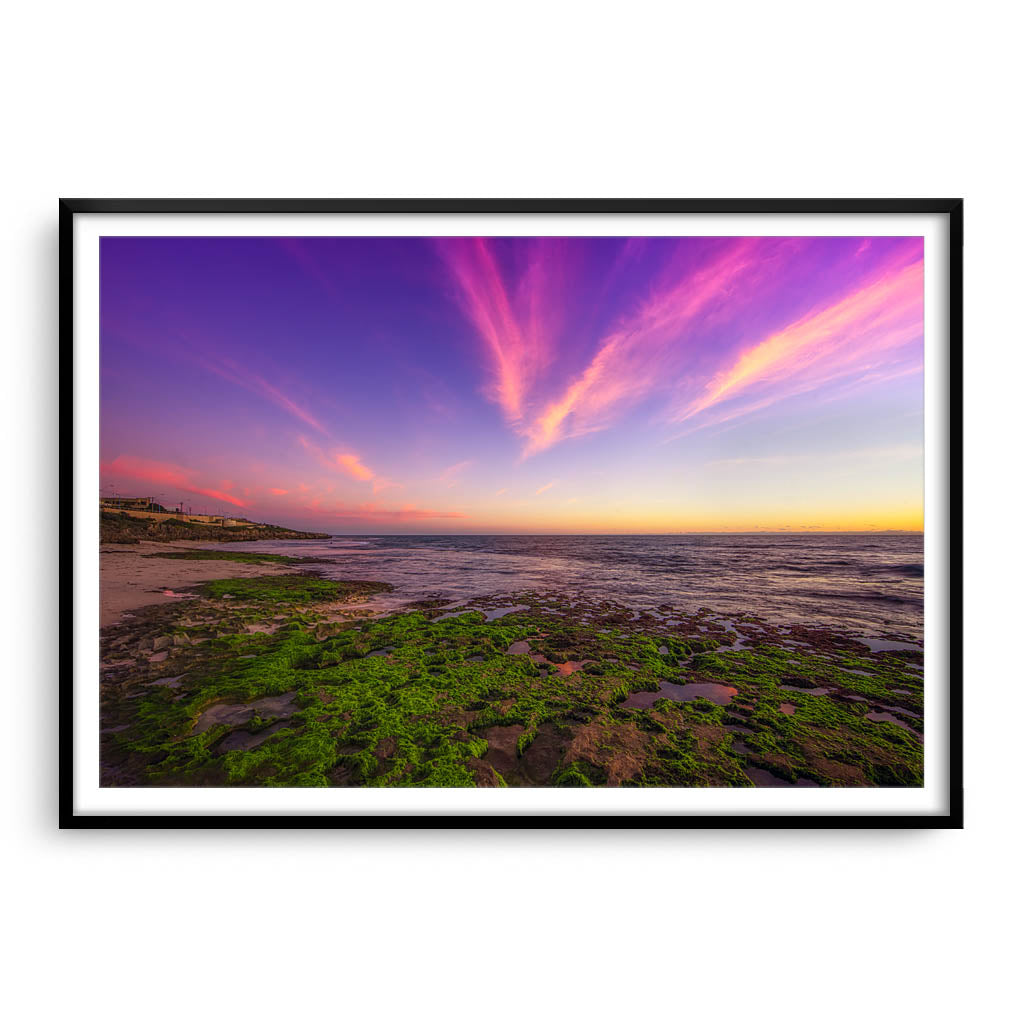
(867, 581)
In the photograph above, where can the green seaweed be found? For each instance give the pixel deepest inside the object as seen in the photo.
(404, 700)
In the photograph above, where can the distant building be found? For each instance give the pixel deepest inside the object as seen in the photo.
(137, 504)
(147, 508)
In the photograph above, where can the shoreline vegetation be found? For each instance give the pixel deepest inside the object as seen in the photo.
(120, 528)
(261, 672)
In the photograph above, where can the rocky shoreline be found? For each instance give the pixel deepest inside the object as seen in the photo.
(283, 678)
(119, 528)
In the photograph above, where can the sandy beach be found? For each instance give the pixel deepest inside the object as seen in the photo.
(129, 580)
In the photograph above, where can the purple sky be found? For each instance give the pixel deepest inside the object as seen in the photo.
(417, 385)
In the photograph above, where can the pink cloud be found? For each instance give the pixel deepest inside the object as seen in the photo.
(450, 474)
(166, 474)
(546, 487)
(370, 512)
(245, 378)
(278, 491)
(860, 334)
(517, 321)
(634, 360)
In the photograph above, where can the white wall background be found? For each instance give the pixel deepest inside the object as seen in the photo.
(524, 99)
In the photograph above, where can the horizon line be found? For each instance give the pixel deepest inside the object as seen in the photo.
(673, 533)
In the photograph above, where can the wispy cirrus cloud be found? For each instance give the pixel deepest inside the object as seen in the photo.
(516, 319)
(684, 344)
(546, 487)
(857, 334)
(166, 474)
(229, 370)
(519, 322)
(635, 359)
(369, 512)
(450, 474)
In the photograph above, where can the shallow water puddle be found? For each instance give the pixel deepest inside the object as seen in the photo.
(173, 681)
(884, 716)
(497, 613)
(566, 668)
(877, 645)
(761, 777)
(739, 644)
(519, 647)
(898, 710)
(681, 692)
(453, 615)
(787, 709)
(240, 739)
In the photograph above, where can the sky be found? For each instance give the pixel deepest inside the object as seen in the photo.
(365, 385)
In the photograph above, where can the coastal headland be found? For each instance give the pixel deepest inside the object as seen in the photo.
(229, 668)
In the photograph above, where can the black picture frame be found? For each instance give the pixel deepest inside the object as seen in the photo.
(949, 208)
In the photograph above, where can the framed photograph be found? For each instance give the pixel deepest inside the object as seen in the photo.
(489, 513)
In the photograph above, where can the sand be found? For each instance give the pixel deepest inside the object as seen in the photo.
(129, 581)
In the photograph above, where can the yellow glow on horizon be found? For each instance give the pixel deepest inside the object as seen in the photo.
(825, 518)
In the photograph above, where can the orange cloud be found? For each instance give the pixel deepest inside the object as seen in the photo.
(165, 473)
(351, 465)
(348, 462)
(278, 491)
(546, 487)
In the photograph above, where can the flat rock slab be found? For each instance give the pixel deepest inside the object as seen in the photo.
(239, 714)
